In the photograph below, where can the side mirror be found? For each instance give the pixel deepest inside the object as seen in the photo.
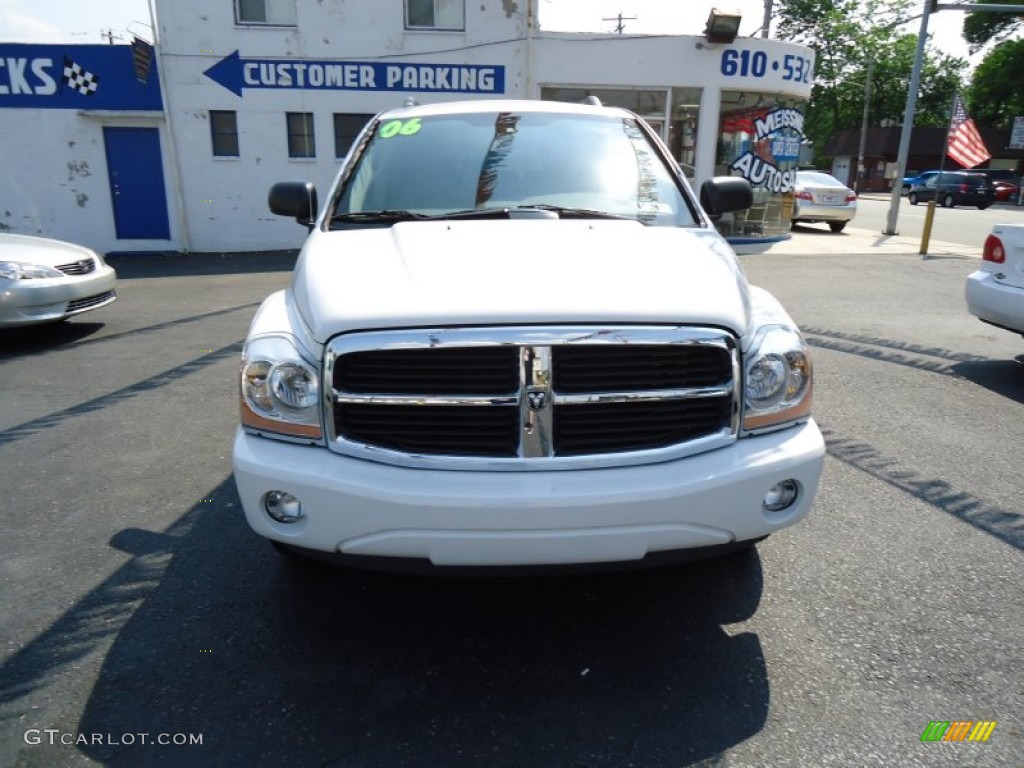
(723, 194)
(294, 198)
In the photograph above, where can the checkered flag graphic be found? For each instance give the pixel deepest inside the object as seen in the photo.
(79, 78)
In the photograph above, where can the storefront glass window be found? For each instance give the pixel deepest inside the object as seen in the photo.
(653, 106)
(682, 132)
(759, 139)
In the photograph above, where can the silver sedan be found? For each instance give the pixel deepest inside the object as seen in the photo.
(43, 280)
(821, 197)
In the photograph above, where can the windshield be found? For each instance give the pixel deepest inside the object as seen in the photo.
(573, 164)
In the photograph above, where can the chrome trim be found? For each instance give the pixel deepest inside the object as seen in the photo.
(427, 400)
(536, 409)
(690, 393)
(536, 423)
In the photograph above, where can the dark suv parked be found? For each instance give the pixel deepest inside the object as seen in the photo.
(952, 188)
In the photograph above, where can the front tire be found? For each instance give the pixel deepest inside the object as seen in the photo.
(836, 226)
(947, 202)
(912, 198)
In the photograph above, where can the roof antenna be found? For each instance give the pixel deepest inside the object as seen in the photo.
(410, 101)
(593, 101)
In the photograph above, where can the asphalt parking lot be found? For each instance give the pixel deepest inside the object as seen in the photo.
(139, 606)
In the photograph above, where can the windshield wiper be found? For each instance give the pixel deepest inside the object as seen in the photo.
(524, 211)
(520, 211)
(567, 212)
(374, 217)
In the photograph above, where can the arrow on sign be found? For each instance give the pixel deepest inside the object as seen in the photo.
(227, 72)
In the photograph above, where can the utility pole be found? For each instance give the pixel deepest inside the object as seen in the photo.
(619, 26)
(908, 123)
(861, 175)
(767, 22)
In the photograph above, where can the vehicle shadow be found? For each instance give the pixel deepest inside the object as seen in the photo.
(216, 634)
(133, 266)
(32, 338)
(1004, 377)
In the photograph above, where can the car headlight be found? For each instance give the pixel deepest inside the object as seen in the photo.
(18, 270)
(777, 379)
(280, 391)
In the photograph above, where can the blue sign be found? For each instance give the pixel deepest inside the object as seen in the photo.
(236, 74)
(113, 77)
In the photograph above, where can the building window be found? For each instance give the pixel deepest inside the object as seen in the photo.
(224, 133)
(435, 14)
(346, 128)
(281, 12)
(301, 142)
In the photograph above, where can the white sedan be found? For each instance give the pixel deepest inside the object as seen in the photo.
(995, 293)
(821, 197)
(43, 280)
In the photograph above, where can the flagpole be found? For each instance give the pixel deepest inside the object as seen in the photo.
(929, 216)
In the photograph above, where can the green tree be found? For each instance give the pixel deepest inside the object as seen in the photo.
(984, 26)
(996, 93)
(848, 34)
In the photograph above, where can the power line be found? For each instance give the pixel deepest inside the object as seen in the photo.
(619, 26)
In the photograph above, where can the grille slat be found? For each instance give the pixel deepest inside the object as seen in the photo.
(76, 305)
(82, 267)
(607, 428)
(465, 370)
(610, 368)
(444, 429)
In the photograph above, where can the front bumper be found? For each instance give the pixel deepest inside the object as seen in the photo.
(470, 518)
(995, 302)
(25, 302)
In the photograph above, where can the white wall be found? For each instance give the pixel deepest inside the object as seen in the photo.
(224, 199)
(54, 180)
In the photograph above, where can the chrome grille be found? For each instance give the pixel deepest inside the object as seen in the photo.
(532, 397)
(82, 267)
(78, 305)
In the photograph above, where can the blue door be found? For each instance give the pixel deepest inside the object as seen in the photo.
(137, 183)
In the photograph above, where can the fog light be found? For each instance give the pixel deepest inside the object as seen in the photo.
(780, 496)
(283, 507)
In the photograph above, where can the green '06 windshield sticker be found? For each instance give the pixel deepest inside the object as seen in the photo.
(400, 128)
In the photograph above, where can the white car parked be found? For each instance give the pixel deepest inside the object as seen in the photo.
(995, 293)
(819, 196)
(514, 338)
(43, 280)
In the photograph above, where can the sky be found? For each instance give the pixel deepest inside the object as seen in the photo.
(85, 21)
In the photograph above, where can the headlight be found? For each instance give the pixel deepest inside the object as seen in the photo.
(280, 391)
(17, 270)
(777, 379)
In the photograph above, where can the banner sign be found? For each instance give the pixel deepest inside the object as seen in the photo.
(1017, 133)
(238, 74)
(774, 141)
(76, 77)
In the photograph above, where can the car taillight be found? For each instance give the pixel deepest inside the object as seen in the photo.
(851, 197)
(801, 195)
(993, 250)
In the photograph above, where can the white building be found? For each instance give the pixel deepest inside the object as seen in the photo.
(244, 93)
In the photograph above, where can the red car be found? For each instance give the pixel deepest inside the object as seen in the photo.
(1006, 191)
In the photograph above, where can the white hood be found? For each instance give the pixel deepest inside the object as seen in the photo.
(474, 272)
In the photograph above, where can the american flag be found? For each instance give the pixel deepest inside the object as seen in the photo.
(965, 144)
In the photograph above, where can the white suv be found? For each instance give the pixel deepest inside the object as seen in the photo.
(514, 338)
